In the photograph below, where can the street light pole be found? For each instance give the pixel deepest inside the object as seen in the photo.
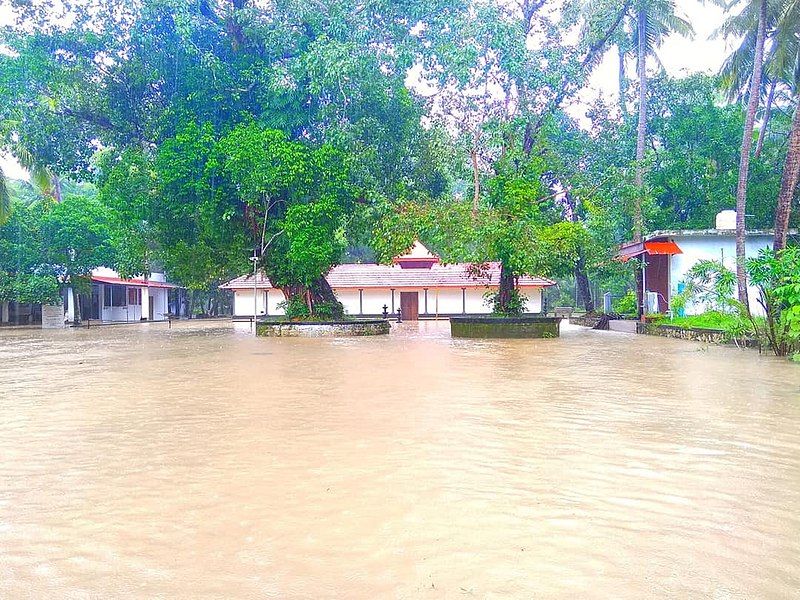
(254, 260)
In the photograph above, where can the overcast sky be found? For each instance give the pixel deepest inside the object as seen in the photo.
(680, 56)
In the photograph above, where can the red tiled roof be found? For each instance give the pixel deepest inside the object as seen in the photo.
(134, 282)
(370, 275)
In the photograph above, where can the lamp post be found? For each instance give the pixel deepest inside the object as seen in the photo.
(254, 260)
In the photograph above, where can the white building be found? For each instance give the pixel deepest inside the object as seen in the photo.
(117, 300)
(417, 283)
(670, 254)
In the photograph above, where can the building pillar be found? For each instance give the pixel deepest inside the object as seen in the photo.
(393, 311)
(463, 301)
(361, 301)
(266, 302)
(145, 304)
(70, 305)
(4, 312)
(426, 300)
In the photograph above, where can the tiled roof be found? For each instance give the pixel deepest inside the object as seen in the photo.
(370, 275)
(417, 254)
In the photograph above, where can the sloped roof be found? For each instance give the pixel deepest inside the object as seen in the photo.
(370, 275)
(417, 253)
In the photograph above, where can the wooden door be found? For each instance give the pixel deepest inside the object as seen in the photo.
(409, 306)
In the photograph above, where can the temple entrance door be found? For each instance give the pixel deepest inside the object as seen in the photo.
(409, 306)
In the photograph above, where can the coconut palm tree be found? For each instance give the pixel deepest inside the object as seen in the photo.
(780, 58)
(651, 22)
(768, 56)
(646, 25)
(46, 182)
(789, 179)
(754, 12)
(788, 42)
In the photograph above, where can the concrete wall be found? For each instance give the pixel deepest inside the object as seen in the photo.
(713, 247)
(441, 301)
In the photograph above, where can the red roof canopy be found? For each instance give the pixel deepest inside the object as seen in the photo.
(133, 282)
(629, 251)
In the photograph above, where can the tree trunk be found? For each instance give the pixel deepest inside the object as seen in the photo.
(767, 114)
(623, 82)
(190, 307)
(641, 127)
(506, 288)
(476, 181)
(744, 161)
(321, 291)
(582, 281)
(55, 188)
(789, 179)
(76, 303)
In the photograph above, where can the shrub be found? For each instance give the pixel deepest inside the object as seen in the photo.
(709, 282)
(329, 311)
(625, 305)
(516, 305)
(296, 309)
(778, 280)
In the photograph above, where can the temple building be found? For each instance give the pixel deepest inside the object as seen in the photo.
(417, 283)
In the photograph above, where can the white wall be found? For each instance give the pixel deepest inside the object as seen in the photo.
(713, 248)
(534, 295)
(447, 301)
(441, 301)
(159, 298)
(243, 302)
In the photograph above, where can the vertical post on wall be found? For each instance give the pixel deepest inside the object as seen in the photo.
(463, 301)
(644, 288)
(254, 260)
(426, 300)
(266, 302)
(392, 299)
(360, 301)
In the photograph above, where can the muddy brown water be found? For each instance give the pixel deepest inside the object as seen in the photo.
(198, 462)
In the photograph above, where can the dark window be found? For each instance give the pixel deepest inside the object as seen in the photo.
(118, 295)
(134, 296)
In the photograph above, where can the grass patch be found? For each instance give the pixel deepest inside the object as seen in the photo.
(710, 320)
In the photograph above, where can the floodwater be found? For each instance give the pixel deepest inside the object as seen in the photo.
(199, 462)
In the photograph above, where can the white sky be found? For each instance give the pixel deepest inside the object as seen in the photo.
(680, 56)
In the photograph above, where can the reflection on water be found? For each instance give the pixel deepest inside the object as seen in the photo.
(200, 462)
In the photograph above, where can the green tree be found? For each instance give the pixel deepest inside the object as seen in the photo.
(296, 198)
(76, 238)
(24, 276)
(5, 198)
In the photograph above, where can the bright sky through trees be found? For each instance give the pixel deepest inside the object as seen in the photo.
(680, 56)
